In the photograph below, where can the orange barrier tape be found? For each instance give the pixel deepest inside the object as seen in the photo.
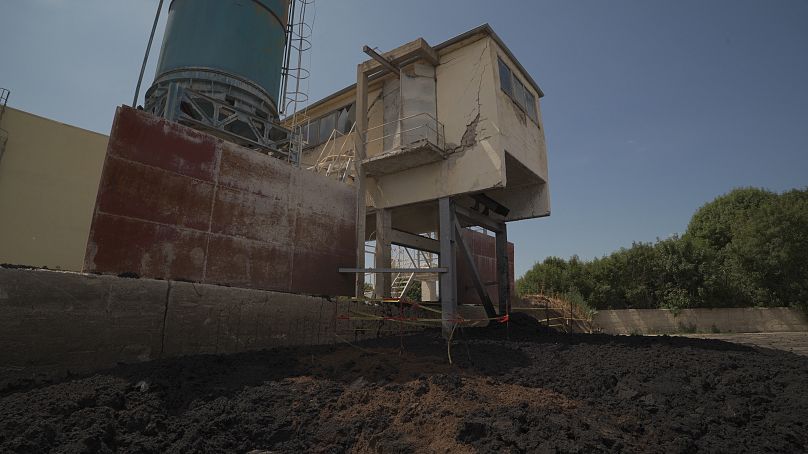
(501, 319)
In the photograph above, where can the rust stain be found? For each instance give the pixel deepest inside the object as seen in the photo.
(267, 225)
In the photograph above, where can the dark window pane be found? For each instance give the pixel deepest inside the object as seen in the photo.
(313, 131)
(530, 101)
(505, 77)
(519, 93)
(342, 120)
(351, 116)
(327, 125)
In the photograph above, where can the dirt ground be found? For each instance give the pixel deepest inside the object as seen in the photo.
(534, 392)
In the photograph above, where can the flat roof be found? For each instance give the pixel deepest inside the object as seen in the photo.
(484, 29)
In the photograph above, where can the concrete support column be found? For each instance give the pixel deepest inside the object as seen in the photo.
(384, 230)
(359, 149)
(503, 271)
(429, 291)
(448, 260)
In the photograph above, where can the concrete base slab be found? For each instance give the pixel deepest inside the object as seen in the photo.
(54, 323)
(415, 155)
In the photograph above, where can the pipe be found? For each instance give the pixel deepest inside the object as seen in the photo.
(148, 49)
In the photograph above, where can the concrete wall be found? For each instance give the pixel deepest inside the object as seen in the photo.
(57, 322)
(49, 176)
(494, 147)
(730, 320)
(175, 203)
(466, 105)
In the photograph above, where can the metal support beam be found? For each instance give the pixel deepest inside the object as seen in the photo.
(413, 241)
(503, 271)
(384, 229)
(448, 260)
(382, 61)
(475, 276)
(359, 146)
(393, 270)
(475, 218)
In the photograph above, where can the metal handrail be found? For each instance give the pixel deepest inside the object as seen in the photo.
(4, 94)
(331, 158)
(438, 129)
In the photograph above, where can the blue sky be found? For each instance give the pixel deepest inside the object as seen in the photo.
(652, 108)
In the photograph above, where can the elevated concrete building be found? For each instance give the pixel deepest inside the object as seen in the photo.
(434, 138)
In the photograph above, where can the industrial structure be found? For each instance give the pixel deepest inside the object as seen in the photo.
(223, 177)
(436, 139)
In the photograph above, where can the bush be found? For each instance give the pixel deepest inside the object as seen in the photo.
(745, 248)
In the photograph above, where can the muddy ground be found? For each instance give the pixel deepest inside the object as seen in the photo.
(537, 392)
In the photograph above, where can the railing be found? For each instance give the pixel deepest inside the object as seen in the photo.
(333, 161)
(409, 131)
(3, 101)
(3, 133)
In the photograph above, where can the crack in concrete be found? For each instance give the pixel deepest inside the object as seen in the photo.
(469, 138)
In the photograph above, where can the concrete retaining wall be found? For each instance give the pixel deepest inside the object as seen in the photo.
(53, 322)
(729, 320)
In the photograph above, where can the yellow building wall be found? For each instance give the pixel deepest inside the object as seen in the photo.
(49, 178)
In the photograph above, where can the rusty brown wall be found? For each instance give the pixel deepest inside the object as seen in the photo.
(176, 203)
(484, 250)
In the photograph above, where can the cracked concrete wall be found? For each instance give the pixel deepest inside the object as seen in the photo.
(54, 323)
(485, 132)
(466, 105)
(391, 108)
(419, 96)
(527, 193)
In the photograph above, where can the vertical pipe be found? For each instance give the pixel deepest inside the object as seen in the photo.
(148, 49)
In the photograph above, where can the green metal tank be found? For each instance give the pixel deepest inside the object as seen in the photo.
(221, 69)
(226, 43)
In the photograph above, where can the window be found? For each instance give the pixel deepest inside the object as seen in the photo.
(327, 125)
(504, 77)
(519, 93)
(320, 129)
(313, 133)
(530, 104)
(511, 85)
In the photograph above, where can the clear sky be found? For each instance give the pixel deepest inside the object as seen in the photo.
(652, 108)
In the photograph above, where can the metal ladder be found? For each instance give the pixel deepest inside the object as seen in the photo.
(3, 133)
(336, 162)
(403, 281)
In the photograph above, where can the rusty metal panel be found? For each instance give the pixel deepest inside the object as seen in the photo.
(248, 215)
(175, 203)
(120, 245)
(150, 140)
(246, 263)
(312, 272)
(152, 194)
(253, 172)
(483, 250)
